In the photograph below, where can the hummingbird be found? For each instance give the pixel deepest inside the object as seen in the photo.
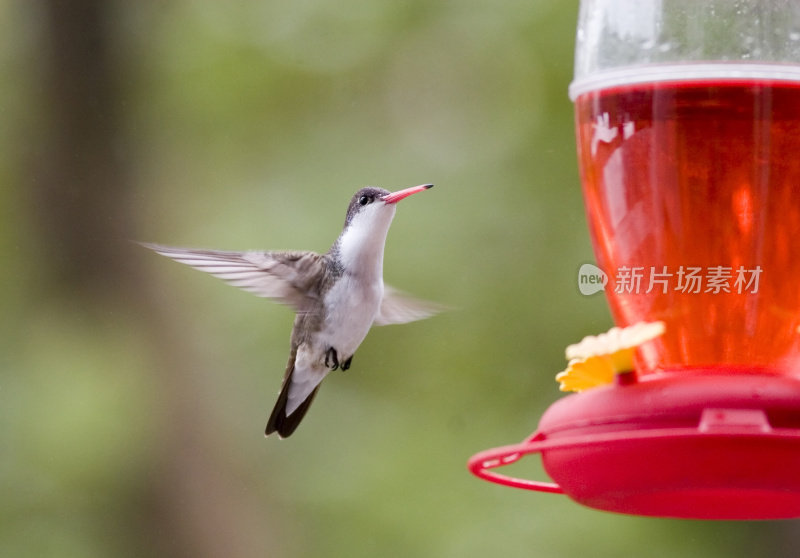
(337, 296)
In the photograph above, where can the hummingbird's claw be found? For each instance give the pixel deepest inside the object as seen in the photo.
(333, 358)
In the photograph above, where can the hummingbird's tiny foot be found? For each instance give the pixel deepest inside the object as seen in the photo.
(346, 364)
(332, 359)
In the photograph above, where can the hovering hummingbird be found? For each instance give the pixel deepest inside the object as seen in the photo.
(337, 296)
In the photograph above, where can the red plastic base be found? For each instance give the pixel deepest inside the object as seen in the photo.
(700, 444)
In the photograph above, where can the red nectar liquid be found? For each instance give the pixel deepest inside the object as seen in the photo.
(692, 191)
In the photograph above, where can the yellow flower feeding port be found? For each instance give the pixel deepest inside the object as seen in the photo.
(597, 359)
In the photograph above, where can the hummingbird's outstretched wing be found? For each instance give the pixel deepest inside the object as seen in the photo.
(399, 308)
(292, 278)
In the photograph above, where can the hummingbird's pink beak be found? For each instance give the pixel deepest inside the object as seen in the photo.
(395, 197)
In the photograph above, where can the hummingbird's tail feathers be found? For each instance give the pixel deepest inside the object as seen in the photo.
(285, 424)
(287, 277)
(398, 307)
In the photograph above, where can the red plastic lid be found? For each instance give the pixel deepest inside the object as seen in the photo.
(703, 444)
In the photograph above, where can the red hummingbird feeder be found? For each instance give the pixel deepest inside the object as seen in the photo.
(689, 169)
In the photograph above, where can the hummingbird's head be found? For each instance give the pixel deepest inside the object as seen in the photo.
(367, 222)
(370, 206)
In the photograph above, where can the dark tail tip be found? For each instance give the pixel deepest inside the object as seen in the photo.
(286, 425)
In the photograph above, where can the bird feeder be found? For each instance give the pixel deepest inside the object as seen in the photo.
(687, 146)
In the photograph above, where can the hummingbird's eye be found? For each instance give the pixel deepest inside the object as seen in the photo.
(364, 200)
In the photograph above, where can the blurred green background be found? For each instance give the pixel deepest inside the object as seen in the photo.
(134, 391)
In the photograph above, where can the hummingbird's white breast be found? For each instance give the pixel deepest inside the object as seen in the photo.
(351, 306)
(353, 302)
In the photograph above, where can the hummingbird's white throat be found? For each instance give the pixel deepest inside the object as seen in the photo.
(360, 246)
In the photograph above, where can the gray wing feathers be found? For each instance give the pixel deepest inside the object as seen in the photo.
(400, 308)
(288, 277)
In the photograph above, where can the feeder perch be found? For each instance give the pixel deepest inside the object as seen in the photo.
(704, 445)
